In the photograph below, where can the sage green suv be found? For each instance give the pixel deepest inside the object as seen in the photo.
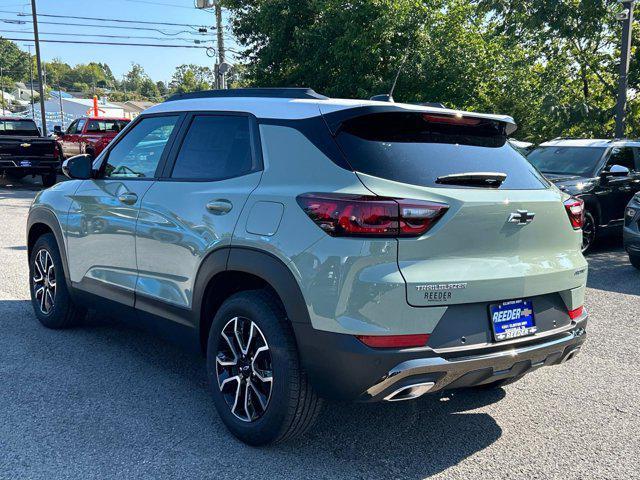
(318, 248)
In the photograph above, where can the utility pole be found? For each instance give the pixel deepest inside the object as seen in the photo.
(627, 18)
(36, 37)
(33, 112)
(61, 109)
(2, 88)
(220, 79)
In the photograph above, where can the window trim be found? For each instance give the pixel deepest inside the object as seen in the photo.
(126, 130)
(254, 134)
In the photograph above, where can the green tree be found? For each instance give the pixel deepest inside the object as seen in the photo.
(191, 78)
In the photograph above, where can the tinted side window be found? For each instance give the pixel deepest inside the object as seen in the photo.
(72, 128)
(80, 125)
(215, 147)
(621, 156)
(137, 155)
(94, 126)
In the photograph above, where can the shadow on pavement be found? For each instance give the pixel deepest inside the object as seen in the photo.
(610, 270)
(121, 401)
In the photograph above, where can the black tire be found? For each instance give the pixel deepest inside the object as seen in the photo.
(49, 179)
(292, 406)
(635, 260)
(589, 232)
(63, 313)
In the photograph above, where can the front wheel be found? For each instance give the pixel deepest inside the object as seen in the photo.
(259, 388)
(588, 232)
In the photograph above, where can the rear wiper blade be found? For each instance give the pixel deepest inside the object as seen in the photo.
(476, 179)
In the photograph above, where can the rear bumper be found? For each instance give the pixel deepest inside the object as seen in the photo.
(37, 165)
(342, 368)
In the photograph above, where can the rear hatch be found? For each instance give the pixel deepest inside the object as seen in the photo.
(506, 233)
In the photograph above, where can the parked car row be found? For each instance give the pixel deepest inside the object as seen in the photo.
(24, 151)
(605, 174)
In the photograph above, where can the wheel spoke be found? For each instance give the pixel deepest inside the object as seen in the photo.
(257, 372)
(259, 395)
(42, 300)
(246, 400)
(231, 347)
(39, 273)
(226, 363)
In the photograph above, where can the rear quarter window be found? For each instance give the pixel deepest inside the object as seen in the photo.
(417, 148)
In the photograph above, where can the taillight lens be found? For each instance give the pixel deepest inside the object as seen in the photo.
(394, 341)
(575, 313)
(369, 216)
(575, 210)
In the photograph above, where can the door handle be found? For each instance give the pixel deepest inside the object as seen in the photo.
(219, 207)
(128, 198)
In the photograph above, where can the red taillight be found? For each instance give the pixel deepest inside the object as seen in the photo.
(451, 119)
(573, 314)
(364, 216)
(394, 341)
(56, 150)
(575, 210)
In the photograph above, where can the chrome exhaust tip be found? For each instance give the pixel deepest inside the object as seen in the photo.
(571, 355)
(409, 392)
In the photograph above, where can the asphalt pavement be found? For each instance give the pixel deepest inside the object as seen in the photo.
(107, 400)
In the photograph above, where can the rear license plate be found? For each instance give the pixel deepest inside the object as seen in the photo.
(512, 319)
(25, 163)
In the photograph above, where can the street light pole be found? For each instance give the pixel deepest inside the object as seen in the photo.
(219, 74)
(625, 51)
(34, 13)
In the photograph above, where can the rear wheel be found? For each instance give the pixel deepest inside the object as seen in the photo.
(635, 260)
(50, 297)
(49, 179)
(259, 387)
(588, 232)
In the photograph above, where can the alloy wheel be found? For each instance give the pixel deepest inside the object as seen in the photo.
(44, 281)
(244, 369)
(588, 233)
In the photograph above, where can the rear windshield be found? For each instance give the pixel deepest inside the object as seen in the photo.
(580, 161)
(418, 148)
(19, 127)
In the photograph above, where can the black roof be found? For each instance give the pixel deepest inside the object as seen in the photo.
(251, 92)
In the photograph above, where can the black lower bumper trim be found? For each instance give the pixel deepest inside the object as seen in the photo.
(342, 368)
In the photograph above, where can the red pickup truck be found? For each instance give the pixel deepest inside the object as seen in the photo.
(89, 135)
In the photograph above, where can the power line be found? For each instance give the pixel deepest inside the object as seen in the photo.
(159, 3)
(81, 42)
(197, 41)
(117, 20)
(94, 25)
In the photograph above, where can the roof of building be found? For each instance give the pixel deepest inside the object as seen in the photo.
(136, 106)
(291, 104)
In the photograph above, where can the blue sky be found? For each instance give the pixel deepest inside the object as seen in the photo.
(159, 63)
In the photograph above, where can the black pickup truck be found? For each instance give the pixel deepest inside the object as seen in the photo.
(24, 151)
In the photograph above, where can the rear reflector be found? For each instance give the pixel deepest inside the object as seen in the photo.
(575, 210)
(369, 216)
(573, 314)
(394, 341)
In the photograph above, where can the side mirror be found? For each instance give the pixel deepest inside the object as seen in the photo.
(616, 171)
(79, 167)
(58, 130)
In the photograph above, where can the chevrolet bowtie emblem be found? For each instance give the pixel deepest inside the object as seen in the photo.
(25, 145)
(521, 217)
